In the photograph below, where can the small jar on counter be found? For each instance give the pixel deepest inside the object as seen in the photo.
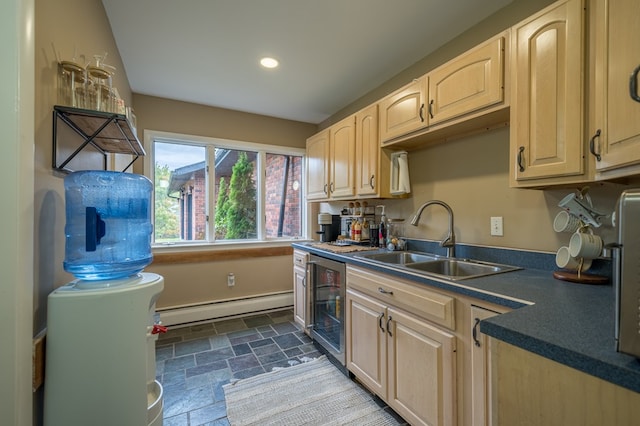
(395, 234)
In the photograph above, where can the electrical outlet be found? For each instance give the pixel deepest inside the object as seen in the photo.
(496, 226)
(231, 279)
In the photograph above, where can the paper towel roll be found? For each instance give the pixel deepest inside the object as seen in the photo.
(400, 183)
(404, 184)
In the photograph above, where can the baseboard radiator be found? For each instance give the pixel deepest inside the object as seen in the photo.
(193, 314)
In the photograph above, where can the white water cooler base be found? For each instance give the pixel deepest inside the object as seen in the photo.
(100, 359)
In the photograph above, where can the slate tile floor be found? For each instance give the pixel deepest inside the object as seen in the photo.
(193, 363)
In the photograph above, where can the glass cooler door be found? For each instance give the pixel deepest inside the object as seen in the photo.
(328, 300)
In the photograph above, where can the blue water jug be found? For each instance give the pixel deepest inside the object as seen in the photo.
(108, 224)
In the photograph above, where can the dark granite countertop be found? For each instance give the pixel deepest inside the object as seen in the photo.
(569, 323)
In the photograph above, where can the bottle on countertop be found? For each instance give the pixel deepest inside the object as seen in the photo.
(373, 234)
(357, 232)
(382, 230)
(365, 230)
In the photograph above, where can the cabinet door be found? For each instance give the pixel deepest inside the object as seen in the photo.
(422, 370)
(300, 297)
(318, 166)
(480, 369)
(367, 151)
(547, 94)
(403, 111)
(472, 81)
(366, 341)
(621, 140)
(342, 159)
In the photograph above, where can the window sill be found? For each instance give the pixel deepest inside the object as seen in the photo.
(174, 254)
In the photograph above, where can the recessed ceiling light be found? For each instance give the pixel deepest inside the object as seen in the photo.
(269, 62)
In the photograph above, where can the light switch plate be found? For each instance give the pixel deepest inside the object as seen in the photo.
(496, 226)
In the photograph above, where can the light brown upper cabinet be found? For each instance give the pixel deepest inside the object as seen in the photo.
(367, 152)
(331, 162)
(373, 164)
(402, 111)
(547, 116)
(472, 81)
(463, 96)
(346, 161)
(342, 153)
(318, 166)
(616, 128)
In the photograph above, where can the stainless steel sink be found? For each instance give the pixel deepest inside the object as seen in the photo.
(398, 257)
(437, 266)
(458, 269)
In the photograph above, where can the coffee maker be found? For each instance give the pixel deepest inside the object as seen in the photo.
(329, 227)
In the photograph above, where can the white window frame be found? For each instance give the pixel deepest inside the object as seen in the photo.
(151, 136)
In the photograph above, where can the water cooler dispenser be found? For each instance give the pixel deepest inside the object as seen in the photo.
(102, 327)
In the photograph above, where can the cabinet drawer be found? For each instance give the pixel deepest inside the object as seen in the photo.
(414, 298)
(300, 258)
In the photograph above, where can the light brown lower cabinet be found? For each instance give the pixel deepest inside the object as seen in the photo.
(301, 308)
(480, 373)
(406, 360)
(531, 390)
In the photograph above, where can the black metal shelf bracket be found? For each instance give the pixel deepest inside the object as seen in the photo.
(108, 135)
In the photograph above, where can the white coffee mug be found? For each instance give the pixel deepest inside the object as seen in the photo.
(587, 245)
(564, 260)
(566, 222)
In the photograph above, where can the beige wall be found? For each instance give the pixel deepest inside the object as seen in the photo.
(71, 26)
(207, 282)
(196, 283)
(172, 116)
(499, 21)
(82, 26)
(471, 174)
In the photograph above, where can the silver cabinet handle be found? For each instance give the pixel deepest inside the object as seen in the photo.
(383, 291)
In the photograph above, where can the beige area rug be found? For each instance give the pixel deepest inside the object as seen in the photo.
(312, 393)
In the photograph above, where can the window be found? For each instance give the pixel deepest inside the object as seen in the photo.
(212, 190)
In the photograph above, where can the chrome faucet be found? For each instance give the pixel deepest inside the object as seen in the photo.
(450, 241)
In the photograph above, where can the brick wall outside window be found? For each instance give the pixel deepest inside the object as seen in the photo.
(275, 167)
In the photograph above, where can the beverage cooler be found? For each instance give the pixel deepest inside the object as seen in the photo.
(102, 327)
(328, 298)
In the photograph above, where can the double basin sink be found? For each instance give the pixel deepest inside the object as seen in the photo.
(434, 265)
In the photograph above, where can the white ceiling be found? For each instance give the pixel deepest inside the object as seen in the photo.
(331, 52)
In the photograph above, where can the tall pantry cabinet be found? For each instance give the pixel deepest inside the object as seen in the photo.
(617, 91)
(547, 96)
(575, 108)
